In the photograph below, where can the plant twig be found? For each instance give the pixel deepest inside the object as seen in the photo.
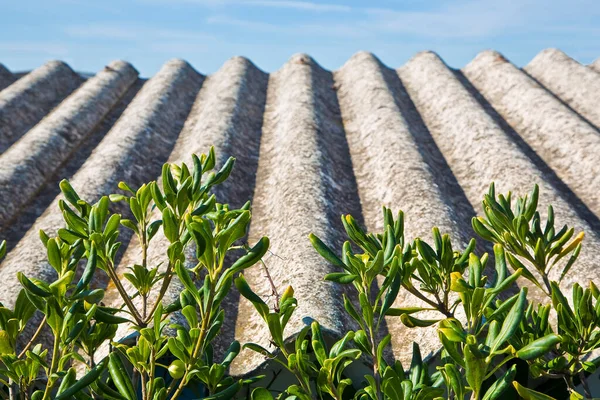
(584, 383)
(33, 338)
(274, 291)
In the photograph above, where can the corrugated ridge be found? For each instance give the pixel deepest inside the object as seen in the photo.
(568, 144)
(595, 65)
(134, 150)
(391, 170)
(479, 151)
(305, 177)
(6, 77)
(30, 212)
(573, 83)
(298, 191)
(24, 103)
(26, 165)
(227, 114)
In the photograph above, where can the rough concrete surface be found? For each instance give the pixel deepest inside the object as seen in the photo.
(310, 145)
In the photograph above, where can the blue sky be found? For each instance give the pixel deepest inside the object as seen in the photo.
(88, 34)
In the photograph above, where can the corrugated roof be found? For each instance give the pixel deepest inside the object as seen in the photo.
(310, 145)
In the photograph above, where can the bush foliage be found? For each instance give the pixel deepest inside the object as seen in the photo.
(495, 342)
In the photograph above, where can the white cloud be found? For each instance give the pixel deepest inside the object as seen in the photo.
(314, 29)
(298, 5)
(50, 49)
(477, 18)
(131, 32)
(285, 4)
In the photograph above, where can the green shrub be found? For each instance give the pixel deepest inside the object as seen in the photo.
(487, 334)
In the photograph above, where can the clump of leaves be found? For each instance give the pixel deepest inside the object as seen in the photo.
(519, 230)
(485, 330)
(479, 350)
(190, 216)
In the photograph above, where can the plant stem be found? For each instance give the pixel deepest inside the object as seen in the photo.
(12, 390)
(143, 383)
(144, 306)
(152, 371)
(199, 344)
(136, 315)
(163, 290)
(33, 338)
(297, 373)
(55, 357)
(375, 363)
(438, 306)
(145, 265)
(584, 383)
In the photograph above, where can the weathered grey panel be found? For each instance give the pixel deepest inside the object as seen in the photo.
(575, 84)
(24, 103)
(567, 143)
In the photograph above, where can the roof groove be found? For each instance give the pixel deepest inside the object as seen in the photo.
(154, 117)
(573, 83)
(36, 156)
(310, 145)
(548, 173)
(25, 102)
(6, 77)
(391, 170)
(569, 145)
(30, 212)
(237, 88)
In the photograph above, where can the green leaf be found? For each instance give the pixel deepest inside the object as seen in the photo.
(412, 322)
(259, 349)
(54, 257)
(352, 311)
(275, 328)
(381, 347)
(539, 347)
(68, 192)
(530, 394)
(362, 341)
(59, 287)
(184, 277)
(512, 321)
(475, 369)
(252, 257)
(85, 381)
(341, 277)
(429, 393)
(227, 393)
(244, 289)
(366, 308)
(499, 387)
(455, 380)
(67, 381)
(31, 287)
(223, 173)
(90, 268)
(396, 312)
(416, 365)
(6, 346)
(516, 264)
(120, 377)
(178, 349)
(170, 225)
(261, 394)
(325, 251)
